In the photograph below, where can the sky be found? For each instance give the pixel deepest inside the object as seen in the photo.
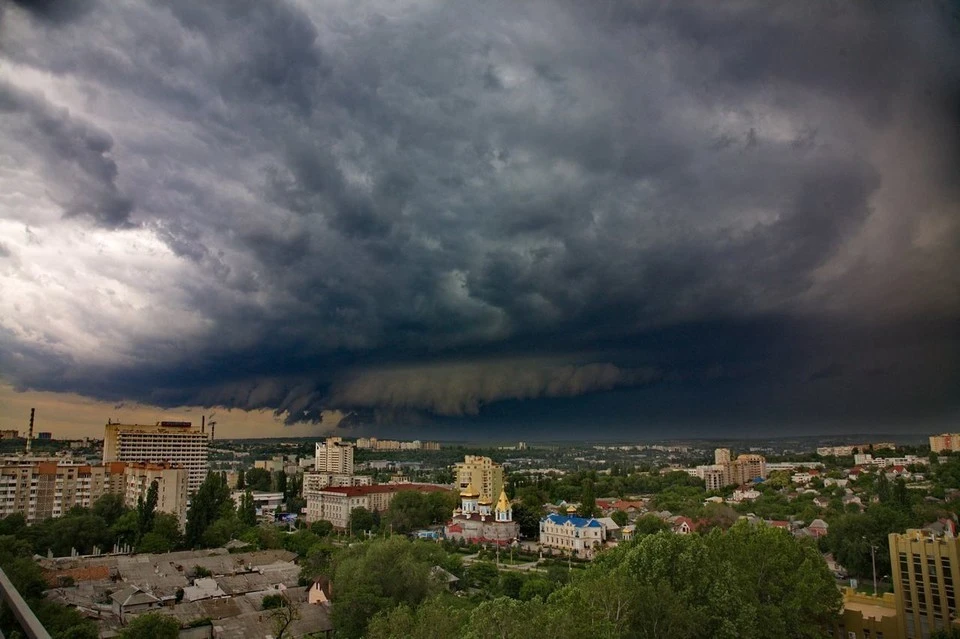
(460, 219)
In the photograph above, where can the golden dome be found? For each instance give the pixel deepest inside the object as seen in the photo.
(571, 509)
(485, 502)
(503, 504)
(469, 491)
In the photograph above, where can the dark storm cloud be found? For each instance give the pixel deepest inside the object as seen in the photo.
(433, 209)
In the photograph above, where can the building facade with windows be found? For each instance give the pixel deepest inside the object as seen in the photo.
(926, 571)
(334, 456)
(946, 441)
(178, 443)
(335, 504)
(484, 474)
(579, 536)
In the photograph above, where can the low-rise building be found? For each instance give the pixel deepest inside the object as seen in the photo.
(866, 615)
(568, 533)
(334, 504)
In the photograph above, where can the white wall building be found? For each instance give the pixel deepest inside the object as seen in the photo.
(164, 442)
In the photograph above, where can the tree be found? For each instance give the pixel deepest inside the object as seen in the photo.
(258, 479)
(379, 575)
(482, 574)
(362, 520)
(510, 584)
(619, 518)
(883, 488)
(210, 502)
(588, 501)
(528, 519)
(241, 480)
(440, 616)
(271, 601)
(110, 507)
(321, 528)
(284, 615)
(247, 510)
(649, 525)
(152, 626)
(146, 509)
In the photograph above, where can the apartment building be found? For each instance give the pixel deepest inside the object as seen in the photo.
(334, 456)
(172, 486)
(9, 434)
(335, 504)
(926, 570)
(946, 441)
(40, 488)
(482, 473)
(178, 443)
(726, 471)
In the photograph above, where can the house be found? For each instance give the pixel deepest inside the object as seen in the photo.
(132, 600)
(821, 502)
(777, 523)
(320, 592)
(627, 532)
(448, 579)
(682, 525)
(203, 588)
(744, 493)
(818, 528)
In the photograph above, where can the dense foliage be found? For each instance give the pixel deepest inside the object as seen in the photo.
(748, 582)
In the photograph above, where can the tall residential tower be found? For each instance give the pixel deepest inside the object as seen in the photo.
(177, 443)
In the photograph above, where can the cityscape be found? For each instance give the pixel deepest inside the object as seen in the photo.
(163, 523)
(417, 319)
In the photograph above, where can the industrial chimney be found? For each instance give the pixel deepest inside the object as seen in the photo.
(213, 426)
(30, 431)
(203, 423)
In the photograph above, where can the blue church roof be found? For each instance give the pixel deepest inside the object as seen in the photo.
(578, 522)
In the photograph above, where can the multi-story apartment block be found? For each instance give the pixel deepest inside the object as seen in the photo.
(335, 504)
(40, 488)
(172, 487)
(946, 441)
(334, 456)
(926, 571)
(714, 476)
(482, 473)
(9, 434)
(746, 468)
(177, 443)
(725, 472)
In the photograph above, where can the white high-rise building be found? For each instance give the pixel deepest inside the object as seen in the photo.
(721, 456)
(334, 456)
(177, 443)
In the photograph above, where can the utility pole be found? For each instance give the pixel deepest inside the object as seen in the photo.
(873, 557)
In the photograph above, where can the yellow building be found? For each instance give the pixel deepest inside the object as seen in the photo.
(946, 441)
(483, 473)
(926, 569)
(868, 617)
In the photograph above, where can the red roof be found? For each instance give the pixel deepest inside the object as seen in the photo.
(359, 491)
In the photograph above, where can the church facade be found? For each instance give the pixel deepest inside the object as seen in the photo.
(478, 521)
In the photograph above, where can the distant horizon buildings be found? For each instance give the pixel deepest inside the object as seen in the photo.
(178, 443)
(372, 443)
(848, 449)
(946, 441)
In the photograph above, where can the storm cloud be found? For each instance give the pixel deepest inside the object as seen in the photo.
(435, 208)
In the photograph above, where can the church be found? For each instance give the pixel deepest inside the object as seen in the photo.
(476, 521)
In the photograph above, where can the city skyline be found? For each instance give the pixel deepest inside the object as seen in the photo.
(456, 220)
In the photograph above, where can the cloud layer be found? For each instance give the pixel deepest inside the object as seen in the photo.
(432, 207)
